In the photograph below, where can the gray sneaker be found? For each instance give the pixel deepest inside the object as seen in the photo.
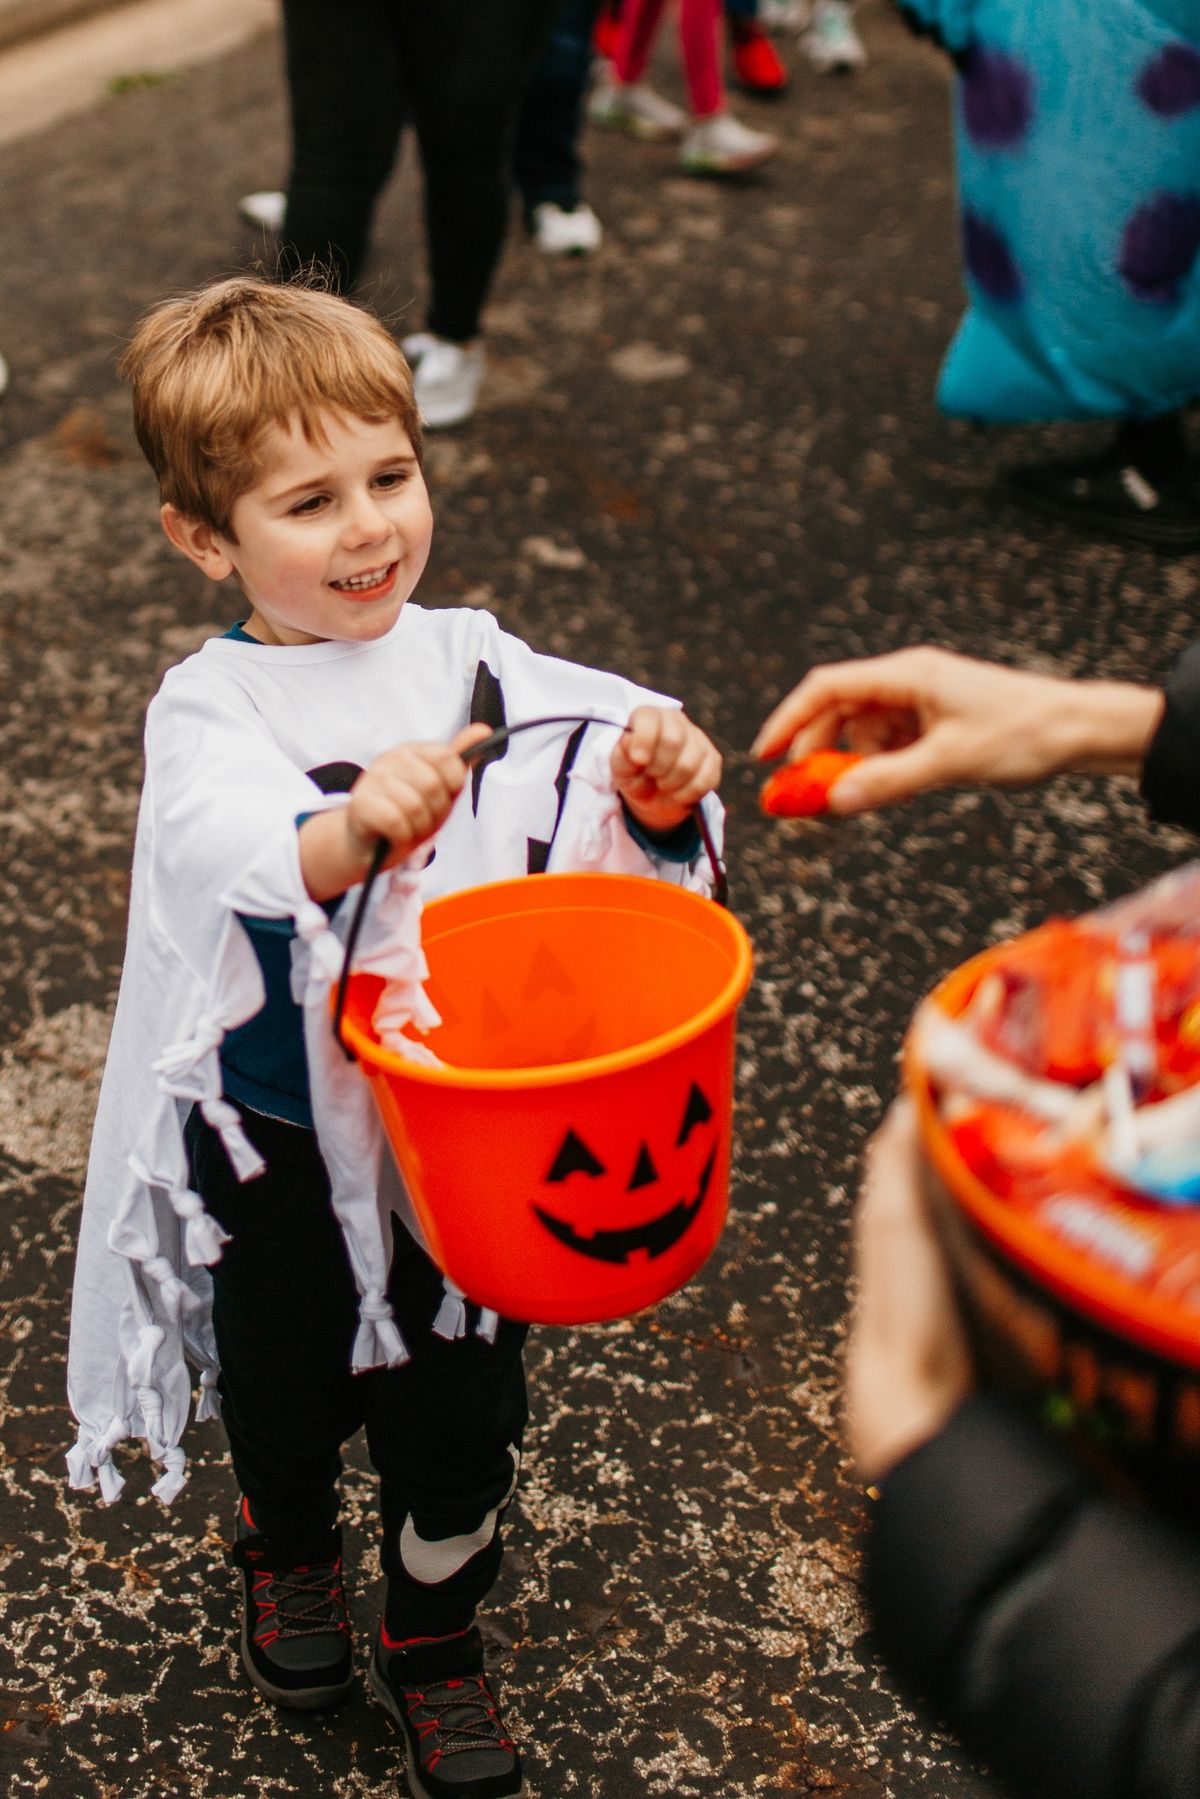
(296, 1644)
(454, 1737)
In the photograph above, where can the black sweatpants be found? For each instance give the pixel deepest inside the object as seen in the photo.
(356, 71)
(444, 1431)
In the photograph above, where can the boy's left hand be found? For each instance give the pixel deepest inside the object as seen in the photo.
(662, 765)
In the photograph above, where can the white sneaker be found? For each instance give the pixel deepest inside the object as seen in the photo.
(265, 210)
(563, 231)
(446, 378)
(3, 376)
(637, 109)
(782, 15)
(831, 42)
(722, 145)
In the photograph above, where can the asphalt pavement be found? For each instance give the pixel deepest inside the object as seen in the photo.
(707, 457)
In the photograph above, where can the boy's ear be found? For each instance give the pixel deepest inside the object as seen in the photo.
(198, 541)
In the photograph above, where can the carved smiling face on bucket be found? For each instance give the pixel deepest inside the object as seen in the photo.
(601, 1194)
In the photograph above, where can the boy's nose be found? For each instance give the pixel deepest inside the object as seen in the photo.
(365, 522)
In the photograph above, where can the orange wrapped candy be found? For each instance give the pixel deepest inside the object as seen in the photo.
(801, 789)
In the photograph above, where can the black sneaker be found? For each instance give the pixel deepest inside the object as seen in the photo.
(454, 1736)
(1111, 493)
(296, 1644)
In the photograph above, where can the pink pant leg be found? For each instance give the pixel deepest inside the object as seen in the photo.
(638, 24)
(699, 37)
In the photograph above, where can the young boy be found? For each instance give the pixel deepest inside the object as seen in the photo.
(281, 425)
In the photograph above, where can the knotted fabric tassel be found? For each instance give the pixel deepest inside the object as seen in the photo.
(179, 1059)
(173, 1479)
(451, 1321)
(89, 1462)
(203, 1238)
(209, 1403)
(378, 1342)
(227, 1122)
(176, 1295)
(489, 1324)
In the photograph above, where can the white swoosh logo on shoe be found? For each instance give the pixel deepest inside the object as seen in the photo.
(432, 1561)
(1139, 489)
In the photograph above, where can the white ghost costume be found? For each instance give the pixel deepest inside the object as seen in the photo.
(229, 740)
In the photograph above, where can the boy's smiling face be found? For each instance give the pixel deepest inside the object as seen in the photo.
(331, 539)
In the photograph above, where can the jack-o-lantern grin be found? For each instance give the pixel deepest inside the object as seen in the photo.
(652, 1236)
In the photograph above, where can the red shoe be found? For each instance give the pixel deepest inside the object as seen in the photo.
(756, 64)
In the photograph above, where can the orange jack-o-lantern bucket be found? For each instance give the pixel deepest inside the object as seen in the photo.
(569, 1155)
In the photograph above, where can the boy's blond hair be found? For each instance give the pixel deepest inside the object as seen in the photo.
(212, 371)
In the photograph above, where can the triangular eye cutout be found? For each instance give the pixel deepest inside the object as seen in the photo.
(574, 1157)
(645, 1173)
(698, 1111)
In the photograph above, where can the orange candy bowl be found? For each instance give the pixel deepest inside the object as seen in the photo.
(1083, 1299)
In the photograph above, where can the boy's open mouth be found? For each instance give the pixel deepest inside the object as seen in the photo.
(365, 586)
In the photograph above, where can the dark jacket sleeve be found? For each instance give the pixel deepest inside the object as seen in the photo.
(1054, 1628)
(1171, 776)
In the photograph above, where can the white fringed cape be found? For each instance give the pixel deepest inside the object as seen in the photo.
(229, 739)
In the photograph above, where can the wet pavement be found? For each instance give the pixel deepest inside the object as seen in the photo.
(708, 458)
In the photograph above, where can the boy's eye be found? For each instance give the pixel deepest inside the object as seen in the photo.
(311, 503)
(392, 477)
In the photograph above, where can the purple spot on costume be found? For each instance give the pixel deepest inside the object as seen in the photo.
(989, 260)
(997, 98)
(1159, 247)
(1170, 84)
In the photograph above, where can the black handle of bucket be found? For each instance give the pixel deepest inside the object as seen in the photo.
(472, 754)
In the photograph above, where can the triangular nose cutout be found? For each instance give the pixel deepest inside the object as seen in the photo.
(644, 1173)
(547, 975)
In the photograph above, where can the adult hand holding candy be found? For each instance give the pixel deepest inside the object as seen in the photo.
(922, 718)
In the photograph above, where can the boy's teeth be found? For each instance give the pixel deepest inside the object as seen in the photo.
(369, 580)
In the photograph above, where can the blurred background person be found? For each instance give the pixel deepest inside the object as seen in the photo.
(1078, 142)
(458, 71)
(712, 141)
(547, 162)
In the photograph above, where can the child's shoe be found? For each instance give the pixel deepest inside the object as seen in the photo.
(783, 15)
(832, 43)
(631, 106)
(446, 378)
(722, 145)
(296, 1644)
(755, 59)
(1109, 493)
(565, 230)
(265, 209)
(454, 1737)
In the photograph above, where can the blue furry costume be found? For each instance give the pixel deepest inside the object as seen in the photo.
(1078, 131)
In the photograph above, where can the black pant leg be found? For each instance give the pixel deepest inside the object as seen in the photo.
(285, 1312)
(445, 1434)
(466, 68)
(346, 92)
(546, 158)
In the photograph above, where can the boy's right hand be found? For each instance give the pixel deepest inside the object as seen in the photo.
(404, 796)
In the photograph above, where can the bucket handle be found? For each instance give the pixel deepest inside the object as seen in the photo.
(473, 754)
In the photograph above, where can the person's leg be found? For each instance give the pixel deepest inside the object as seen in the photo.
(346, 107)
(546, 159)
(465, 69)
(636, 32)
(284, 1316)
(699, 22)
(444, 1433)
